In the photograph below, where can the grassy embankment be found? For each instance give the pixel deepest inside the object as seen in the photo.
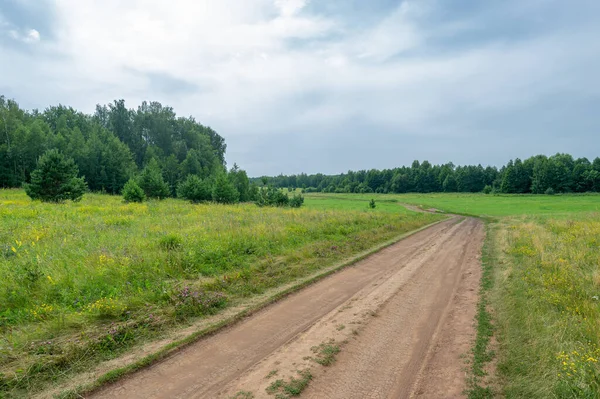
(85, 282)
(540, 291)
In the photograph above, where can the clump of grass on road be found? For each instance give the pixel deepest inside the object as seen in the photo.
(82, 282)
(325, 352)
(283, 389)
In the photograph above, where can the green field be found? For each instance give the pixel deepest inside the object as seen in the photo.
(81, 282)
(469, 204)
(541, 289)
(85, 282)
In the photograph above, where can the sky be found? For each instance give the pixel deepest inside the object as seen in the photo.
(325, 85)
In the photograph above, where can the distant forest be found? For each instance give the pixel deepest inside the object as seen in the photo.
(560, 173)
(112, 145)
(117, 143)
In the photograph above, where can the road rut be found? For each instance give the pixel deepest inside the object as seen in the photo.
(423, 291)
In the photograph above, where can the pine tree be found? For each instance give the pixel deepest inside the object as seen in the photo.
(152, 182)
(55, 179)
(224, 191)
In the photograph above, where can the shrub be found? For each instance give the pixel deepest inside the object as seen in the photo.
(55, 179)
(152, 182)
(487, 189)
(550, 191)
(224, 191)
(194, 189)
(271, 196)
(132, 192)
(372, 204)
(296, 201)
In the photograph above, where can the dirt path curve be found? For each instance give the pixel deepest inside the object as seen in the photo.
(423, 290)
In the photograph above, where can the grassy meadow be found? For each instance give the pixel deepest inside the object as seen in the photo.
(540, 293)
(82, 282)
(481, 205)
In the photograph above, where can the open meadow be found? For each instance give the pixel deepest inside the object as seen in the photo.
(540, 290)
(83, 282)
(86, 282)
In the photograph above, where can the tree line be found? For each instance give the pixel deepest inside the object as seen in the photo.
(110, 146)
(560, 173)
(150, 152)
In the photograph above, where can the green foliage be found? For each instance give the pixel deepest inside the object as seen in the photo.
(372, 204)
(55, 179)
(109, 147)
(293, 387)
(533, 175)
(296, 201)
(239, 178)
(487, 189)
(550, 191)
(270, 196)
(224, 192)
(132, 192)
(152, 182)
(194, 189)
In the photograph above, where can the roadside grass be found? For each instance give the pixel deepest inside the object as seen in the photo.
(479, 385)
(84, 282)
(548, 307)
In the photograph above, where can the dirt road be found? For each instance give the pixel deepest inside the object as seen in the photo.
(402, 318)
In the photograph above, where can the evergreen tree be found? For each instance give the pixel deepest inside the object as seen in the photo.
(194, 189)
(132, 192)
(224, 191)
(152, 182)
(239, 178)
(55, 179)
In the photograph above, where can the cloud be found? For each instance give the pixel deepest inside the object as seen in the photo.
(29, 36)
(282, 80)
(288, 8)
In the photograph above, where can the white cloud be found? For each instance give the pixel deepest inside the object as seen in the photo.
(288, 8)
(29, 36)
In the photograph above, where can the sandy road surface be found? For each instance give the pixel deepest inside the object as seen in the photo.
(402, 317)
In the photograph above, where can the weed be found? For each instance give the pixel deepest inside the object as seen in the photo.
(293, 387)
(272, 373)
(243, 395)
(325, 352)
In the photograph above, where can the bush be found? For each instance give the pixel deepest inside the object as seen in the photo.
(194, 189)
(296, 201)
(271, 196)
(487, 189)
(372, 204)
(152, 182)
(132, 192)
(550, 191)
(55, 179)
(224, 191)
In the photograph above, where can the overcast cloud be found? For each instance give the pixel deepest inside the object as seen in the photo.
(325, 85)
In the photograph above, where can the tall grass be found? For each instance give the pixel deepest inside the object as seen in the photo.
(548, 307)
(85, 281)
